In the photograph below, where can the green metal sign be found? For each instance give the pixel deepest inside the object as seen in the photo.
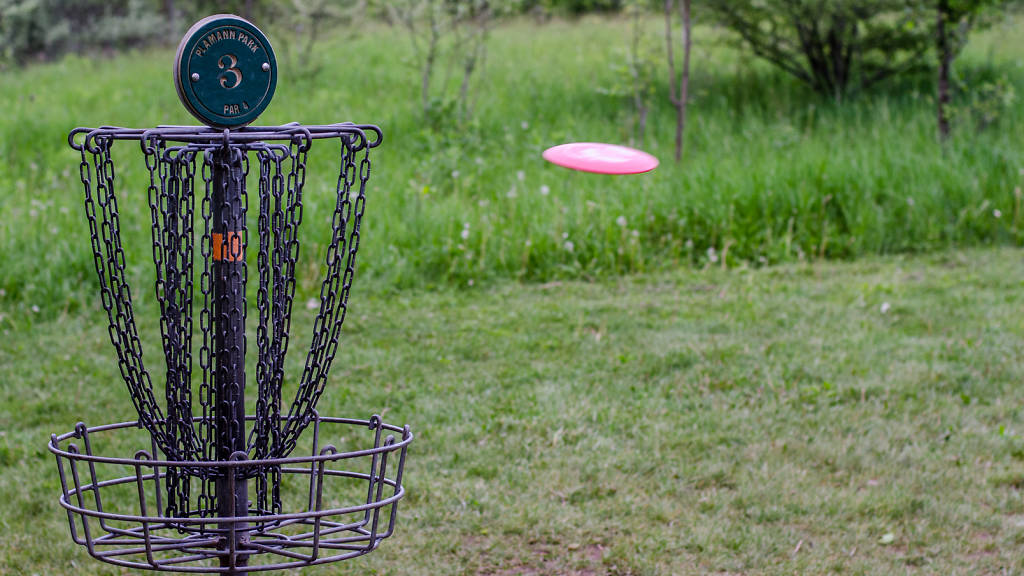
(225, 71)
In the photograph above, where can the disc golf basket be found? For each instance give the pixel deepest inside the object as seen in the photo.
(198, 483)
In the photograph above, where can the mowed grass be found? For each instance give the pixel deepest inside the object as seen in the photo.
(773, 173)
(859, 418)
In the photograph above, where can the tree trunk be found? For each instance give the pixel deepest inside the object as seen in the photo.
(428, 69)
(679, 98)
(171, 14)
(428, 63)
(468, 66)
(945, 52)
(639, 87)
(684, 81)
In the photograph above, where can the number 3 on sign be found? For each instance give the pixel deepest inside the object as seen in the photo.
(229, 68)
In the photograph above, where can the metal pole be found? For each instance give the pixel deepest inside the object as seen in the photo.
(228, 215)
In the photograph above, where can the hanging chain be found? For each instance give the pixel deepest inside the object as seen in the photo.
(115, 295)
(170, 201)
(334, 291)
(207, 501)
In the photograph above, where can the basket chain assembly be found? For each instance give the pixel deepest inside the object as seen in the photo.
(172, 192)
(203, 459)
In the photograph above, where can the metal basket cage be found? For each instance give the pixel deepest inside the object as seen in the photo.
(347, 506)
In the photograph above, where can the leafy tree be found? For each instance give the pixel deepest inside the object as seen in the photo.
(954, 20)
(834, 46)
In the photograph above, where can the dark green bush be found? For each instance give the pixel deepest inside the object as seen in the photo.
(46, 29)
(572, 7)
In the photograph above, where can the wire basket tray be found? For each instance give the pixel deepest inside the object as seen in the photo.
(343, 503)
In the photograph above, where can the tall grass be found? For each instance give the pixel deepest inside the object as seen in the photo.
(772, 172)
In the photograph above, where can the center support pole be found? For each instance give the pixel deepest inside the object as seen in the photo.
(228, 254)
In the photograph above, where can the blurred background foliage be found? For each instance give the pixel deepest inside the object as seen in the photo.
(32, 30)
(795, 147)
(837, 47)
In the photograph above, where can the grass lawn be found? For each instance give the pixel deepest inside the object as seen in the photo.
(862, 418)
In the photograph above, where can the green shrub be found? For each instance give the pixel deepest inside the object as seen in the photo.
(47, 29)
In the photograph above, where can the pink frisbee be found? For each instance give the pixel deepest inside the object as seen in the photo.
(601, 158)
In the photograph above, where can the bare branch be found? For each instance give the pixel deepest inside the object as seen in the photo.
(671, 53)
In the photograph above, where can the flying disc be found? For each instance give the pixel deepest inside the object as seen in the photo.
(601, 158)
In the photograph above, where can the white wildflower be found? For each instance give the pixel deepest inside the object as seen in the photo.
(910, 201)
(455, 173)
(35, 309)
(565, 235)
(525, 125)
(712, 255)
(470, 282)
(884, 308)
(569, 246)
(545, 190)
(312, 304)
(465, 234)
(621, 221)
(520, 175)
(997, 213)
(512, 192)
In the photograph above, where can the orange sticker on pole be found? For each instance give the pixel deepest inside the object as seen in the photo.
(229, 250)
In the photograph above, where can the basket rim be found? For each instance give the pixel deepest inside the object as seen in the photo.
(200, 521)
(82, 431)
